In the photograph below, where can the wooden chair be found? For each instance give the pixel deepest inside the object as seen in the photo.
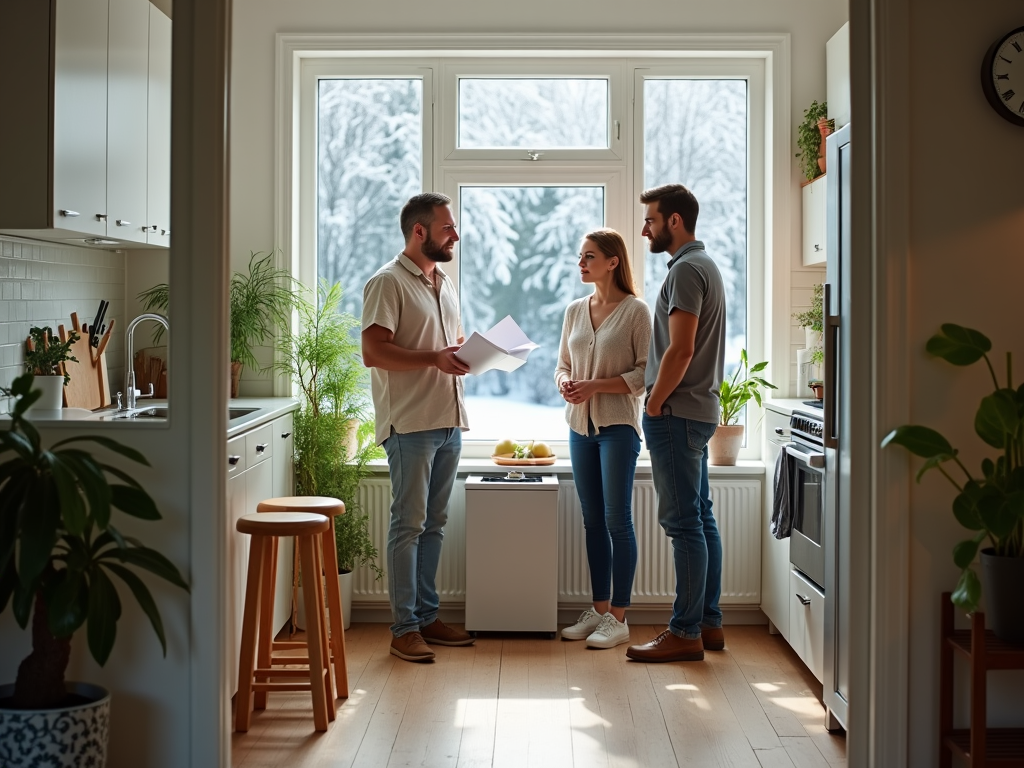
(257, 624)
(330, 508)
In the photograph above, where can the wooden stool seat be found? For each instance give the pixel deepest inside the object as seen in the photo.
(321, 505)
(334, 639)
(255, 672)
(283, 524)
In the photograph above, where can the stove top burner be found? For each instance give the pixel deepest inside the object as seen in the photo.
(814, 403)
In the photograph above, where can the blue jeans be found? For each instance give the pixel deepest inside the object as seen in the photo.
(679, 465)
(603, 465)
(423, 466)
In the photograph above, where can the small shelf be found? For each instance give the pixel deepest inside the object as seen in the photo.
(979, 745)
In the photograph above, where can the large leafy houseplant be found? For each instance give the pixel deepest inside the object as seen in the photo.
(59, 548)
(737, 392)
(260, 300)
(990, 504)
(808, 139)
(323, 358)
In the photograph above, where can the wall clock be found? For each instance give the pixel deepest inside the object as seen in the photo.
(1002, 76)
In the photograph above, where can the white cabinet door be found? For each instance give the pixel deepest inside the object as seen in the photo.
(80, 117)
(814, 222)
(238, 555)
(127, 109)
(775, 567)
(158, 196)
(284, 485)
(807, 623)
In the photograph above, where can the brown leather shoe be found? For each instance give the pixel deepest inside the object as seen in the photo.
(713, 638)
(440, 633)
(411, 647)
(668, 647)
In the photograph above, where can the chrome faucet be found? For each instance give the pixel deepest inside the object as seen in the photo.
(129, 352)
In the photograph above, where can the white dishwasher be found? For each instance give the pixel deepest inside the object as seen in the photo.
(512, 554)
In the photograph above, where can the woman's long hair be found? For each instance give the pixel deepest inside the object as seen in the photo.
(610, 243)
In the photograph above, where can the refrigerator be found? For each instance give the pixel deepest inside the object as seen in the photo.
(836, 301)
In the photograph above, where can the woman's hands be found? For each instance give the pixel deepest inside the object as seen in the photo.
(577, 392)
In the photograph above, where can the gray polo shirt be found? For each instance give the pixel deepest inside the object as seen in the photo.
(693, 284)
(402, 299)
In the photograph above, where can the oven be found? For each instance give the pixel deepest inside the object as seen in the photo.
(807, 496)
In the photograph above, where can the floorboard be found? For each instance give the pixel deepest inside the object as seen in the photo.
(526, 701)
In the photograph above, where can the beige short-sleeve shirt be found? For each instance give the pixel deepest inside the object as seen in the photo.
(402, 299)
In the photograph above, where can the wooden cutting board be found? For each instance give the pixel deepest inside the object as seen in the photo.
(88, 387)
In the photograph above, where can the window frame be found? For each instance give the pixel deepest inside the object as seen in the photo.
(767, 275)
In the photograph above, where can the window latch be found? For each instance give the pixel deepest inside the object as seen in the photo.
(533, 154)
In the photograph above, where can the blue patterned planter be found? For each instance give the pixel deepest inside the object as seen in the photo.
(75, 737)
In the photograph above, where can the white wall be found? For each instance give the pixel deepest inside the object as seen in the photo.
(966, 266)
(252, 100)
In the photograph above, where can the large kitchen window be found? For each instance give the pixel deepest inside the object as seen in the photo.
(534, 153)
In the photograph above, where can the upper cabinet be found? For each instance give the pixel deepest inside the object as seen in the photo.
(77, 150)
(814, 222)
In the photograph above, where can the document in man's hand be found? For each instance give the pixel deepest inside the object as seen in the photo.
(505, 347)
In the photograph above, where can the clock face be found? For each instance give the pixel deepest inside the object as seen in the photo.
(1002, 76)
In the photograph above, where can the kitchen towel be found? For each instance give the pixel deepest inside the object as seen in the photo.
(782, 518)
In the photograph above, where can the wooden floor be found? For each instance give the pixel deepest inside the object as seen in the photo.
(524, 702)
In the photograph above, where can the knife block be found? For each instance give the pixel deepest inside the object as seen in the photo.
(89, 387)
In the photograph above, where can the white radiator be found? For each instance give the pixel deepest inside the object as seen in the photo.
(737, 507)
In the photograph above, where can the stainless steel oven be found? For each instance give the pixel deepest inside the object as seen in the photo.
(807, 496)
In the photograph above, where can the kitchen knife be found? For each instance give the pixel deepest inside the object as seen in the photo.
(97, 326)
(96, 323)
(105, 339)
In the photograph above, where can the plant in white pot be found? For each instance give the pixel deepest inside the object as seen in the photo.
(59, 549)
(734, 394)
(991, 504)
(809, 359)
(45, 357)
(322, 356)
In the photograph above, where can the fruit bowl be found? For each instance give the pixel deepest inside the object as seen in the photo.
(509, 460)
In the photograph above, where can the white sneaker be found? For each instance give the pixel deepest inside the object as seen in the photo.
(609, 633)
(584, 626)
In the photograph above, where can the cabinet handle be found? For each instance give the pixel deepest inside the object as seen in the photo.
(802, 599)
(286, 434)
(100, 216)
(782, 431)
(151, 227)
(817, 248)
(166, 232)
(123, 223)
(232, 460)
(69, 214)
(261, 447)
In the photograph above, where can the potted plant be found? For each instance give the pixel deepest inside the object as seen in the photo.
(991, 504)
(260, 300)
(59, 549)
(810, 135)
(735, 393)
(45, 358)
(322, 356)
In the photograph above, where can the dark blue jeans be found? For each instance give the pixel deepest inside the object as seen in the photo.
(603, 465)
(679, 466)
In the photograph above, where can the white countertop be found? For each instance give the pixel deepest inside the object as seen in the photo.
(786, 406)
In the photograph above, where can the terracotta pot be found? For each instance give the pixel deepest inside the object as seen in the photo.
(825, 129)
(818, 390)
(725, 444)
(236, 376)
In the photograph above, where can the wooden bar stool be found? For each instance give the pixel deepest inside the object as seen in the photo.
(265, 529)
(335, 639)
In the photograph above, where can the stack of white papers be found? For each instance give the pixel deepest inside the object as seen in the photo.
(504, 347)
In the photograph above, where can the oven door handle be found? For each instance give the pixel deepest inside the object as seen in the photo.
(815, 460)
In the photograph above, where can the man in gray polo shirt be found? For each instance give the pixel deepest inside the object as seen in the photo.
(684, 375)
(411, 330)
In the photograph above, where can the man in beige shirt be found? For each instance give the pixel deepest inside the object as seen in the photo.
(411, 331)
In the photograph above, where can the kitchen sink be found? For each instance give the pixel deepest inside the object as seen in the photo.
(237, 413)
(152, 413)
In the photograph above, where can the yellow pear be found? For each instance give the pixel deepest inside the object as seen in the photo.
(541, 451)
(505, 446)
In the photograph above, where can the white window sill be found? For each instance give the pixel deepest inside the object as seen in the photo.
(743, 468)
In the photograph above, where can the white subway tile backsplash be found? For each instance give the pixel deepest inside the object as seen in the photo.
(42, 284)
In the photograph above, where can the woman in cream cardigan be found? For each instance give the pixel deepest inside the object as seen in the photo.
(600, 374)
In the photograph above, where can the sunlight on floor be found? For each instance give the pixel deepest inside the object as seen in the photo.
(808, 706)
(767, 687)
(681, 687)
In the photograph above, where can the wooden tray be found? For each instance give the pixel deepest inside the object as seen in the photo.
(506, 460)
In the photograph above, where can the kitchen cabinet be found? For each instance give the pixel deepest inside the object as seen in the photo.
(814, 222)
(775, 566)
(158, 126)
(807, 622)
(76, 159)
(259, 467)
